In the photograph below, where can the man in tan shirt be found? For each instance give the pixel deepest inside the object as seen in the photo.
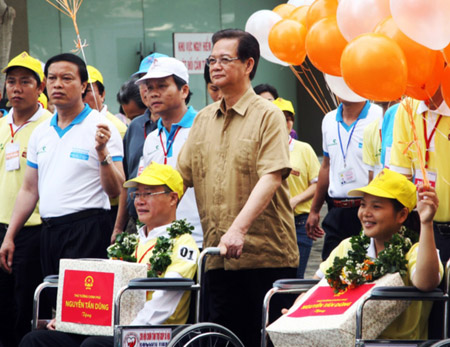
(236, 157)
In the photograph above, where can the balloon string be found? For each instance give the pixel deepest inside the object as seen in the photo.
(307, 89)
(324, 99)
(408, 105)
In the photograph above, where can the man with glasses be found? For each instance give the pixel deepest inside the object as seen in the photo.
(237, 158)
(158, 190)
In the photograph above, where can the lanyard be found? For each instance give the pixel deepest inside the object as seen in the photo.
(170, 144)
(344, 154)
(145, 253)
(428, 139)
(290, 139)
(13, 133)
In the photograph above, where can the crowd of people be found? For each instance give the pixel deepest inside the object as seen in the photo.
(76, 177)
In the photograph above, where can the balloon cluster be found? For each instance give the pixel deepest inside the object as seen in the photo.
(373, 49)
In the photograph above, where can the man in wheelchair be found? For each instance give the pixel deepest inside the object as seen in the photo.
(158, 190)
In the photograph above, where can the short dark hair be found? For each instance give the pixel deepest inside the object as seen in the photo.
(34, 73)
(180, 83)
(206, 75)
(261, 88)
(129, 91)
(72, 58)
(248, 46)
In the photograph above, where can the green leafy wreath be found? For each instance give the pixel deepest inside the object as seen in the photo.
(356, 268)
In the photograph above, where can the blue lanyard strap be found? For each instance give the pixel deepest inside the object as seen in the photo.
(344, 155)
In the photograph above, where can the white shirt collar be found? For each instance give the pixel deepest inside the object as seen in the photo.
(9, 117)
(154, 233)
(443, 109)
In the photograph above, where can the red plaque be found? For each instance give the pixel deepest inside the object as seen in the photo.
(323, 302)
(87, 297)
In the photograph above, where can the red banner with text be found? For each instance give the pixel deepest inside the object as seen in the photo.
(87, 297)
(324, 302)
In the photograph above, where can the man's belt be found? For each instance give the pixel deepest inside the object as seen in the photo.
(442, 227)
(346, 203)
(73, 217)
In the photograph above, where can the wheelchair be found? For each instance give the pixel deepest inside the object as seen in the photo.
(197, 334)
(297, 286)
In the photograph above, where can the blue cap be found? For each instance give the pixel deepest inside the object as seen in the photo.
(147, 62)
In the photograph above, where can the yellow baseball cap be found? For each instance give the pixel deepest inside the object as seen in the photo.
(157, 175)
(43, 100)
(94, 75)
(28, 62)
(284, 105)
(392, 185)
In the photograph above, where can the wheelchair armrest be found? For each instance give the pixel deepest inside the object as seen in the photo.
(51, 278)
(406, 293)
(161, 283)
(295, 283)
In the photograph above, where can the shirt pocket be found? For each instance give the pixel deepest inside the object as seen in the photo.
(246, 154)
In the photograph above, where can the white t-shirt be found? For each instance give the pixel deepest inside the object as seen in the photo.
(68, 165)
(343, 144)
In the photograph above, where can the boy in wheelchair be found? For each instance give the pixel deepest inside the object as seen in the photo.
(158, 190)
(386, 203)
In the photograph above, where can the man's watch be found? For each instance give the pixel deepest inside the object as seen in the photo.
(106, 161)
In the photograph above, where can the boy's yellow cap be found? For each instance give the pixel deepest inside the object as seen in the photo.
(157, 175)
(28, 62)
(94, 75)
(284, 105)
(392, 185)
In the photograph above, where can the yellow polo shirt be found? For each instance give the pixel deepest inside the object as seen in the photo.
(439, 150)
(184, 262)
(372, 147)
(11, 181)
(305, 171)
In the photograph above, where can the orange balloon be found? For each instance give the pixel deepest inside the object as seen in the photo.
(427, 89)
(324, 46)
(419, 59)
(284, 10)
(299, 14)
(374, 66)
(320, 9)
(446, 53)
(287, 41)
(445, 86)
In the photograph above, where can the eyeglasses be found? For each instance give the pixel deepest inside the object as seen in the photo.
(222, 61)
(146, 195)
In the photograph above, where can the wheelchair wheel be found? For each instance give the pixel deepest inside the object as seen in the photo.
(205, 335)
(443, 343)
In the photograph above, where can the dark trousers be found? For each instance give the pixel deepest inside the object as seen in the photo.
(17, 288)
(339, 224)
(304, 243)
(86, 235)
(47, 338)
(235, 299)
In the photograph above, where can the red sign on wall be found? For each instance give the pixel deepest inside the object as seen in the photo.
(323, 302)
(87, 297)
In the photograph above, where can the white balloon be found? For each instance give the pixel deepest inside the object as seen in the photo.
(424, 21)
(299, 3)
(341, 89)
(356, 17)
(259, 25)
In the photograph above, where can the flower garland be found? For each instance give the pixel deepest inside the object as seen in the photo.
(356, 268)
(123, 248)
(162, 253)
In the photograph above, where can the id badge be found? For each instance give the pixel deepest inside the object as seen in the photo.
(347, 176)
(432, 177)
(141, 166)
(12, 152)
